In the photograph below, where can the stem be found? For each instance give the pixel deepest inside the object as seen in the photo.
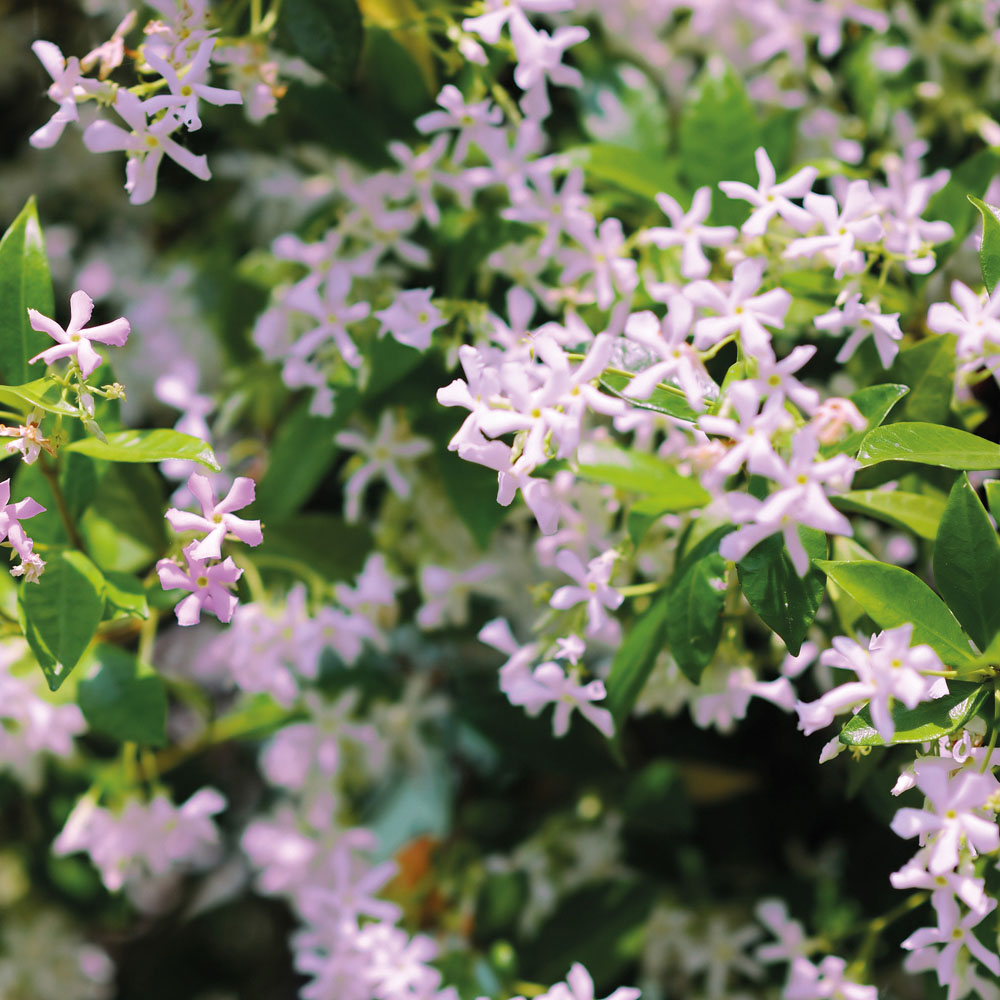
(638, 589)
(994, 729)
(51, 474)
(229, 728)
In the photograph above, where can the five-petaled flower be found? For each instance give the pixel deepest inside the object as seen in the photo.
(208, 586)
(217, 518)
(75, 341)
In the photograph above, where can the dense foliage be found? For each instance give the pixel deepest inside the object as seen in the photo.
(450, 485)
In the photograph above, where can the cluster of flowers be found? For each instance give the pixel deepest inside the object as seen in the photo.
(956, 827)
(206, 578)
(144, 844)
(175, 63)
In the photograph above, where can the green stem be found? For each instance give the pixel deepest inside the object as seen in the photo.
(51, 474)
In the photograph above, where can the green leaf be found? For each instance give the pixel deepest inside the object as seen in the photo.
(916, 512)
(928, 368)
(992, 487)
(324, 543)
(951, 203)
(989, 250)
(24, 283)
(718, 135)
(301, 454)
(642, 515)
(892, 596)
(125, 700)
(60, 613)
(45, 393)
(124, 527)
(635, 658)
(967, 563)
(327, 33)
(640, 472)
(627, 168)
(874, 403)
(147, 446)
(661, 400)
(784, 601)
(472, 490)
(125, 593)
(928, 444)
(928, 722)
(697, 598)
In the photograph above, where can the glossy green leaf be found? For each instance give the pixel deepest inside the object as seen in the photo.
(892, 596)
(967, 563)
(45, 393)
(147, 446)
(989, 250)
(640, 472)
(784, 601)
(328, 34)
(24, 283)
(874, 403)
(672, 402)
(635, 658)
(992, 487)
(124, 700)
(928, 444)
(928, 368)
(697, 597)
(629, 169)
(60, 613)
(718, 135)
(916, 512)
(928, 722)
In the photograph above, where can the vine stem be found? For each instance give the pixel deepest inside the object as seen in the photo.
(51, 475)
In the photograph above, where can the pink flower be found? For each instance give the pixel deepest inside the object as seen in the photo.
(217, 518)
(208, 586)
(74, 341)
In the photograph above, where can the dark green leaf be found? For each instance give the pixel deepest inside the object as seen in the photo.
(917, 512)
(892, 596)
(322, 543)
(784, 601)
(640, 472)
(951, 203)
(989, 250)
(472, 490)
(928, 722)
(24, 283)
(928, 444)
(60, 613)
(124, 526)
(300, 456)
(967, 563)
(147, 446)
(928, 368)
(718, 135)
(694, 616)
(327, 34)
(635, 658)
(124, 700)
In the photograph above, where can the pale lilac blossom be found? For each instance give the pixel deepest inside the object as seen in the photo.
(75, 341)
